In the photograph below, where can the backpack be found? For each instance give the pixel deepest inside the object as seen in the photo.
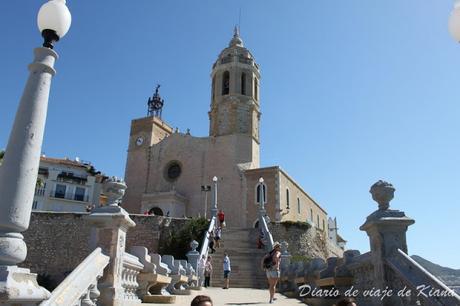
(268, 261)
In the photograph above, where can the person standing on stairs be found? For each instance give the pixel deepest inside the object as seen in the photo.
(271, 265)
(208, 272)
(227, 270)
(218, 236)
(221, 217)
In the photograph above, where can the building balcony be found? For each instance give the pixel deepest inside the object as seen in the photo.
(70, 178)
(69, 196)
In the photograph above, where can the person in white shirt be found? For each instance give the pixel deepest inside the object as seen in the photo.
(227, 270)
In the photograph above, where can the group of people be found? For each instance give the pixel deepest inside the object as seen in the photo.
(205, 270)
(215, 235)
(270, 264)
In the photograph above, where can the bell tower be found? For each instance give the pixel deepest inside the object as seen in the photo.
(235, 105)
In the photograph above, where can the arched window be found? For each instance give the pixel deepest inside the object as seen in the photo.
(243, 84)
(226, 83)
(317, 219)
(156, 211)
(311, 215)
(287, 198)
(298, 205)
(258, 194)
(256, 89)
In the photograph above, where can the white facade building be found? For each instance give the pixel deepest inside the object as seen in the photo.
(66, 185)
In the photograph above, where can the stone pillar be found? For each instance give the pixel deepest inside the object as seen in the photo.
(111, 224)
(285, 256)
(18, 175)
(193, 255)
(386, 229)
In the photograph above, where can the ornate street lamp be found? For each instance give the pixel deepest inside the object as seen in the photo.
(454, 21)
(19, 170)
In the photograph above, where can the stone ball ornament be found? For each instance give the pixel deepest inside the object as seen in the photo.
(382, 192)
(53, 21)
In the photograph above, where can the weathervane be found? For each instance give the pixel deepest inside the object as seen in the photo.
(155, 104)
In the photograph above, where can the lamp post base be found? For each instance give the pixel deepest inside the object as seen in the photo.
(19, 287)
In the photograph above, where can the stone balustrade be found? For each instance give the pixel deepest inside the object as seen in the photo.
(131, 269)
(162, 268)
(178, 277)
(153, 278)
(386, 266)
(80, 286)
(422, 281)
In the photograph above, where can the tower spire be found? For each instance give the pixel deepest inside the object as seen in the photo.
(155, 104)
(236, 39)
(236, 31)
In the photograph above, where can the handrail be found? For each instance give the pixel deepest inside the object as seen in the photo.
(74, 286)
(267, 235)
(204, 246)
(420, 279)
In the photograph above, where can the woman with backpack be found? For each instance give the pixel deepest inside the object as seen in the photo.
(271, 265)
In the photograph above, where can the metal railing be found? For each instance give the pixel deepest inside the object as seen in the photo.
(40, 192)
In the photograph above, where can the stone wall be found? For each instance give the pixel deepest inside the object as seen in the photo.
(58, 242)
(303, 240)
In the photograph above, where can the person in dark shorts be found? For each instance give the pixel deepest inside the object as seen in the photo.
(271, 264)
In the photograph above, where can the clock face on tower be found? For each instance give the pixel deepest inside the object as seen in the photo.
(139, 141)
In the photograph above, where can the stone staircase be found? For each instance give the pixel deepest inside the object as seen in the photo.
(245, 258)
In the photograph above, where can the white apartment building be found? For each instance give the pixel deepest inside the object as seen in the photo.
(66, 185)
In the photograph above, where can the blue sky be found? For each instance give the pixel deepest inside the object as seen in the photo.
(351, 92)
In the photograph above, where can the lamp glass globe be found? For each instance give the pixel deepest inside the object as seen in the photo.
(454, 24)
(54, 15)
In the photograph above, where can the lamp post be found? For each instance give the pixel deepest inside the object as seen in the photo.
(214, 208)
(205, 189)
(261, 197)
(454, 21)
(18, 173)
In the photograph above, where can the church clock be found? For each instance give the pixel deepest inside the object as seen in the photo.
(139, 141)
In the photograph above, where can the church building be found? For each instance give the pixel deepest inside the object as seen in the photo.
(171, 173)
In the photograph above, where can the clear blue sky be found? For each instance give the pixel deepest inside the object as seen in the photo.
(351, 92)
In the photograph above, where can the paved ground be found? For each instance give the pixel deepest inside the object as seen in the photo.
(238, 296)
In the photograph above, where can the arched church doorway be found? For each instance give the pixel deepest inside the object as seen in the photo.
(256, 224)
(156, 211)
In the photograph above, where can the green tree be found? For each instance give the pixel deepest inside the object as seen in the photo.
(177, 242)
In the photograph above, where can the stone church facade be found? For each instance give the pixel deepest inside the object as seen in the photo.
(167, 172)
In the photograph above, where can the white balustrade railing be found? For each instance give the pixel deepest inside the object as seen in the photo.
(131, 269)
(204, 247)
(266, 233)
(80, 286)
